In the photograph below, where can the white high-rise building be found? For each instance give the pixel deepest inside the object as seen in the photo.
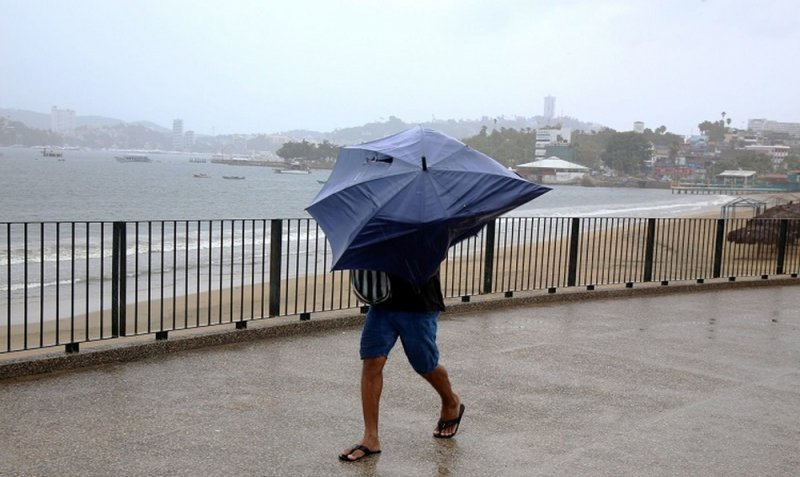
(766, 125)
(638, 126)
(62, 121)
(549, 107)
(177, 134)
(188, 140)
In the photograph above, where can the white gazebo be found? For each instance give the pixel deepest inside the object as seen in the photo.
(553, 171)
(738, 177)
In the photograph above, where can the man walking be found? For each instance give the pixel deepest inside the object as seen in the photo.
(411, 314)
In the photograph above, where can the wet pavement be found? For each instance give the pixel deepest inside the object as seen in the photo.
(704, 383)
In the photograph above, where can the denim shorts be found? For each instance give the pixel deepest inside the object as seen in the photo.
(417, 332)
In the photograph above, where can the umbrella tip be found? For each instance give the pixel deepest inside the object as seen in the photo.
(424, 164)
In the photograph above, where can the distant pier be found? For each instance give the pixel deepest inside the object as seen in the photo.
(246, 162)
(723, 190)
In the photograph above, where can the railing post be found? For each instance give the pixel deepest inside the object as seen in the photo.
(719, 241)
(574, 240)
(782, 246)
(488, 256)
(275, 252)
(119, 259)
(650, 243)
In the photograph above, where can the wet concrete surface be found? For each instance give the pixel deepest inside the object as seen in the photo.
(682, 384)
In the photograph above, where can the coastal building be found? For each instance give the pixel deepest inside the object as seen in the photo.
(561, 151)
(768, 126)
(553, 171)
(548, 137)
(177, 134)
(638, 126)
(697, 144)
(776, 153)
(62, 121)
(188, 140)
(549, 107)
(661, 153)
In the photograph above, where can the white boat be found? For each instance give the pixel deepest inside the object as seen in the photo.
(295, 168)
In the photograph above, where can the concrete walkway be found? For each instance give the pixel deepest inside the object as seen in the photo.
(704, 383)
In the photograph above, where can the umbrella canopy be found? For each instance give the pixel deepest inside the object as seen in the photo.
(398, 203)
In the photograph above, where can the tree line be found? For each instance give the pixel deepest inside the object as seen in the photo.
(627, 153)
(307, 151)
(624, 152)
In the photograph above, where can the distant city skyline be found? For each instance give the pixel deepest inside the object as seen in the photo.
(63, 121)
(249, 67)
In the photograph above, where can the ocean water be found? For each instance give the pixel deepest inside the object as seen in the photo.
(92, 186)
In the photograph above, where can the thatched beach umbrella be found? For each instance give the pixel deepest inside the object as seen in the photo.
(765, 229)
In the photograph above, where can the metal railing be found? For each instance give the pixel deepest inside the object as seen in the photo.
(64, 283)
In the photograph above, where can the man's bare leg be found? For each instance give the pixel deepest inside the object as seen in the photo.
(371, 388)
(451, 403)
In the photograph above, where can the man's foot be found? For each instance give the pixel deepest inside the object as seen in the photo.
(447, 428)
(357, 452)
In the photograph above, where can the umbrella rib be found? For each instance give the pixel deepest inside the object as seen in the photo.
(358, 184)
(438, 197)
(478, 173)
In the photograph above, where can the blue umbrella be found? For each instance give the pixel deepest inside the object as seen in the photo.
(398, 203)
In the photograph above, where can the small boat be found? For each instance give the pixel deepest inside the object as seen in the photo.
(133, 158)
(295, 168)
(292, 171)
(46, 152)
(237, 178)
(321, 181)
(201, 176)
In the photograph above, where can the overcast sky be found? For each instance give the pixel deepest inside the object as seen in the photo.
(270, 66)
